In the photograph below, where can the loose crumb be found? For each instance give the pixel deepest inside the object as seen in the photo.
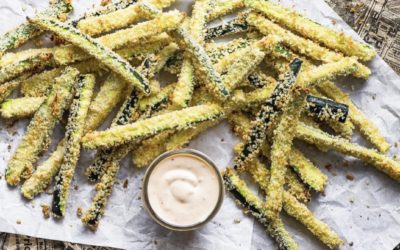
(351, 243)
(237, 221)
(349, 177)
(76, 187)
(333, 21)
(18, 222)
(45, 211)
(105, 2)
(125, 185)
(79, 212)
(396, 144)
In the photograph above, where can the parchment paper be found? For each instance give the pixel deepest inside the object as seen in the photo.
(363, 211)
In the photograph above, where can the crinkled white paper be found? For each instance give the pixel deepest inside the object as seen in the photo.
(364, 211)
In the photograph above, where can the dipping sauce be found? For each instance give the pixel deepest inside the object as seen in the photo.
(182, 189)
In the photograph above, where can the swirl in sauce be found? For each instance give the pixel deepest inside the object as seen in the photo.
(183, 190)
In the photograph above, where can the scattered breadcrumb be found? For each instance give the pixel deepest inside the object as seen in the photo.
(18, 222)
(76, 187)
(396, 144)
(126, 182)
(45, 211)
(349, 177)
(351, 243)
(237, 221)
(79, 212)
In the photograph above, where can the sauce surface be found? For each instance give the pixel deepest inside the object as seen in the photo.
(183, 190)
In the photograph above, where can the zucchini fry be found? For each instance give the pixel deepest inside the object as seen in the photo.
(32, 64)
(301, 45)
(74, 131)
(313, 30)
(145, 128)
(18, 36)
(273, 105)
(103, 191)
(21, 107)
(296, 187)
(103, 54)
(41, 127)
(360, 120)
(296, 209)
(224, 7)
(109, 95)
(326, 109)
(329, 142)
(7, 88)
(254, 206)
(231, 27)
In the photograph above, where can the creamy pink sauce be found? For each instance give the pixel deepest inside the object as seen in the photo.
(183, 190)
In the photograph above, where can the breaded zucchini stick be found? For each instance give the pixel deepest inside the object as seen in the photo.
(32, 64)
(103, 191)
(325, 140)
(21, 107)
(120, 18)
(274, 104)
(103, 54)
(313, 30)
(360, 120)
(7, 88)
(74, 131)
(253, 205)
(145, 128)
(234, 26)
(224, 7)
(296, 209)
(109, 95)
(41, 127)
(301, 45)
(296, 187)
(18, 36)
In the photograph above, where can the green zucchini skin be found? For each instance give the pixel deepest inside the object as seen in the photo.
(18, 36)
(254, 206)
(7, 88)
(231, 27)
(74, 131)
(103, 54)
(41, 127)
(266, 115)
(326, 109)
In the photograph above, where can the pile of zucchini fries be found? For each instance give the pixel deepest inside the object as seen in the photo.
(272, 81)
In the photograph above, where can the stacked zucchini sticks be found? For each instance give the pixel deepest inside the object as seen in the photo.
(272, 81)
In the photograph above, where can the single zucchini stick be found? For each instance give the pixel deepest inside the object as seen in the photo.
(204, 67)
(301, 45)
(274, 104)
(198, 20)
(296, 209)
(41, 127)
(217, 51)
(103, 191)
(153, 103)
(224, 7)
(360, 120)
(231, 27)
(103, 54)
(326, 109)
(32, 64)
(109, 95)
(182, 94)
(21, 107)
(74, 131)
(7, 88)
(296, 187)
(177, 120)
(313, 30)
(18, 36)
(306, 170)
(254, 206)
(329, 142)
